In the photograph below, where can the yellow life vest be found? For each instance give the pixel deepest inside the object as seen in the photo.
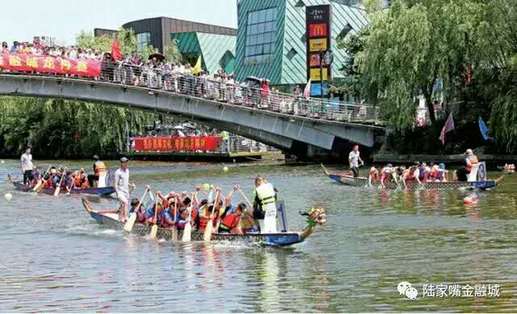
(100, 167)
(266, 193)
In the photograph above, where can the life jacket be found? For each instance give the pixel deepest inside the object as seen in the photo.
(266, 193)
(374, 174)
(230, 221)
(470, 161)
(100, 167)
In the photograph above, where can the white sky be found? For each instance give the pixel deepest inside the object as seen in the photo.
(21, 20)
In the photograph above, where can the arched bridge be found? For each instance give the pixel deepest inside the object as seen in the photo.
(300, 135)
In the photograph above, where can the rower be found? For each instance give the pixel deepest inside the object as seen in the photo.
(266, 196)
(230, 222)
(140, 211)
(373, 176)
(411, 174)
(387, 175)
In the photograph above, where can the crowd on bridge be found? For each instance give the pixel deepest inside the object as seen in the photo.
(158, 73)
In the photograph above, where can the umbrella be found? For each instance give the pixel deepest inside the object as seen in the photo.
(157, 55)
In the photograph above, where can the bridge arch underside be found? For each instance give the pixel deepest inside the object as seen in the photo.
(304, 137)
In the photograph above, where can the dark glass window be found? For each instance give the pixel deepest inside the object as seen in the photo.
(260, 34)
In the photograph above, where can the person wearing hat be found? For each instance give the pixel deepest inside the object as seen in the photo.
(121, 184)
(98, 178)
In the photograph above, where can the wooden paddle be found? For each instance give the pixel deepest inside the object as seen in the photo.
(174, 236)
(58, 188)
(245, 198)
(207, 235)
(40, 181)
(130, 223)
(154, 228)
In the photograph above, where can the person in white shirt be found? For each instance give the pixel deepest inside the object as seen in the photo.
(122, 188)
(354, 159)
(27, 166)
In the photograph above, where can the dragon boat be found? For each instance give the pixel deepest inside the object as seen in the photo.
(477, 180)
(315, 216)
(106, 191)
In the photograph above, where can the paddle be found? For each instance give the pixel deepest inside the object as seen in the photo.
(58, 188)
(246, 198)
(40, 181)
(130, 223)
(154, 228)
(174, 236)
(187, 231)
(207, 236)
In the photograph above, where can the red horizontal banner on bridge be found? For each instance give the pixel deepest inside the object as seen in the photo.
(176, 143)
(49, 65)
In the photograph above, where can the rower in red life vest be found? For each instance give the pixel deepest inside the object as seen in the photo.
(230, 221)
(411, 174)
(373, 176)
(387, 175)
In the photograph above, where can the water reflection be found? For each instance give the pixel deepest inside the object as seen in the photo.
(55, 258)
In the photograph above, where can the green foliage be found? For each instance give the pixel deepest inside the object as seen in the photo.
(172, 52)
(59, 128)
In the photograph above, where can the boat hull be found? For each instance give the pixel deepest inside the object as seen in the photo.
(413, 185)
(110, 220)
(92, 191)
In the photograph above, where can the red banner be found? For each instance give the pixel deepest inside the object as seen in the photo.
(50, 65)
(176, 143)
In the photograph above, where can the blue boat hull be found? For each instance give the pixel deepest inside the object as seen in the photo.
(280, 239)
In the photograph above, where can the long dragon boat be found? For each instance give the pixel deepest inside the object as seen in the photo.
(349, 180)
(106, 191)
(315, 216)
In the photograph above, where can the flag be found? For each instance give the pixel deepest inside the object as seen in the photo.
(483, 128)
(307, 90)
(115, 50)
(449, 126)
(197, 68)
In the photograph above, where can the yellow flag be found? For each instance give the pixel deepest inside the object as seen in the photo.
(197, 68)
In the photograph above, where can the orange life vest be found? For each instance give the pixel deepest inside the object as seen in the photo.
(230, 221)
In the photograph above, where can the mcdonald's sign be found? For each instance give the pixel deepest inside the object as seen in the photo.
(318, 28)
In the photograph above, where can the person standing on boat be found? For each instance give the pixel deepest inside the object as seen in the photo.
(98, 179)
(122, 188)
(354, 159)
(266, 197)
(27, 166)
(470, 161)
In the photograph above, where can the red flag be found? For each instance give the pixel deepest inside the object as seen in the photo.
(449, 126)
(115, 50)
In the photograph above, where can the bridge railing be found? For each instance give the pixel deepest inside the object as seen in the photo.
(231, 92)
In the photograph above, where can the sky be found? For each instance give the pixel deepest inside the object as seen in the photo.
(64, 19)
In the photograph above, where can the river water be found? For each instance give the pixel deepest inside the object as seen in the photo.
(54, 257)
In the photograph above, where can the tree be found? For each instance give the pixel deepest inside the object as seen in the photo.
(172, 52)
(409, 47)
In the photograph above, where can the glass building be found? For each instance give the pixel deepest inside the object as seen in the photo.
(271, 37)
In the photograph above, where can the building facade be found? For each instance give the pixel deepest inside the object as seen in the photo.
(271, 38)
(157, 31)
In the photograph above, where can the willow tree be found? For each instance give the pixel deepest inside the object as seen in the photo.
(496, 48)
(409, 47)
